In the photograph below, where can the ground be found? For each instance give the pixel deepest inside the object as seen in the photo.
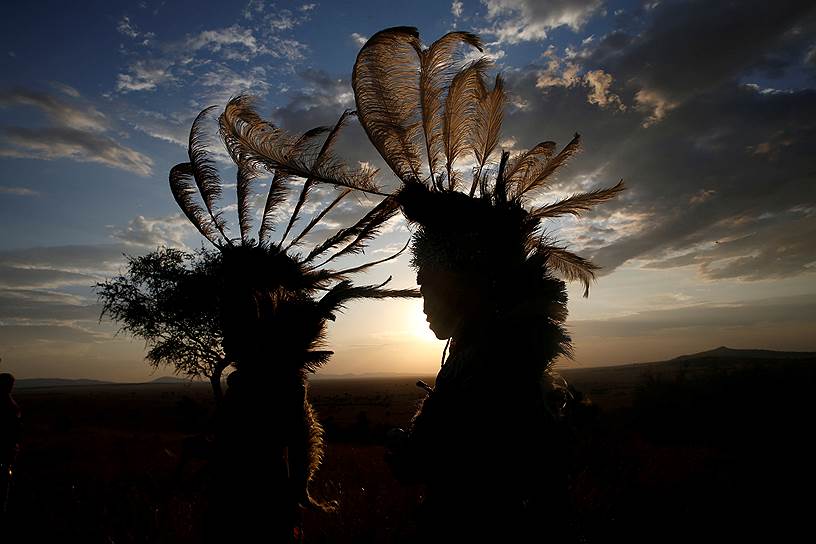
(708, 449)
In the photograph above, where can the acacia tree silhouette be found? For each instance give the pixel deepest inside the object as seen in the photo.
(273, 305)
(167, 297)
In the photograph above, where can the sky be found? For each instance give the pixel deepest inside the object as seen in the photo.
(707, 110)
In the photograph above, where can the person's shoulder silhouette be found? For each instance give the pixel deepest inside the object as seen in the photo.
(10, 421)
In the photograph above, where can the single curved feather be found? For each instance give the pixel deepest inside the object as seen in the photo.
(274, 197)
(461, 108)
(250, 139)
(316, 219)
(520, 166)
(578, 203)
(540, 175)
(341, 274)
(385, 80)
(325, 151)
(437, 69)
(570, 266)
(359, 233)
(204, 171)
(182, 186)
(487, 127)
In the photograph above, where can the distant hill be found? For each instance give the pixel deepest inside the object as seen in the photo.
(170, 379)
(30, 383)
(723, 352)
(612, 386)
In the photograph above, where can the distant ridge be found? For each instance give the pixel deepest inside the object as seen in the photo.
(170, 379)
(723, 352)
(365, 375)
(30, 383)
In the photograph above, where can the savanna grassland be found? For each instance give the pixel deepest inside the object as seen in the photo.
(714, 448)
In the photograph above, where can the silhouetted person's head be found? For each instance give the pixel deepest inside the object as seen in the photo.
(6, 383)
(467, 253)
(477, 274)
(449, 300)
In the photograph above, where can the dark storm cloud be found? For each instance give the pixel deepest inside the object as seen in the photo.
(691, 47)
(718, 161)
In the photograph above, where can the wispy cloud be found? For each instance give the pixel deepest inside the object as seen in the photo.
(152, 232)
(85, 117)
(18, 191)
(515, 21)
(52, 143)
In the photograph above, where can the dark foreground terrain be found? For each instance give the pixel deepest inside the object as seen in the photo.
(712, 448)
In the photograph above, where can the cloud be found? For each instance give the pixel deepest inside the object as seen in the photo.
(86, 259)
(18, 191)
(25, 306)
(359, 39)
(687, 49)
(46, 298)
(81, 118)
(703, 316)
(689, 186)
(65, 89)
(560, 73)
(224, 82)
(517, 21)
(127, 28)
(456, 9)
(152, 232)
(52, 143)
(599, 83)
(45, 278)
(734, 155)
(776, 246)
(220, 39)
(145, 75)
(174, 130)
(655, 104)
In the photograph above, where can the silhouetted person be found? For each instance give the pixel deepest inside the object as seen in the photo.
(10, 430)
(273, 305)
(484, 442)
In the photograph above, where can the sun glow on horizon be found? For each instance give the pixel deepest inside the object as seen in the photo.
(419, 325)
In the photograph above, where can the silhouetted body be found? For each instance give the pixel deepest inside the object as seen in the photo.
(258, 441)
(10, 431)
(484, 442)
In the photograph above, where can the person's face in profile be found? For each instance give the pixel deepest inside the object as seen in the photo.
(446, 301)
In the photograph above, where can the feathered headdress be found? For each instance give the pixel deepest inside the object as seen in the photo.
(431, 104)
(419, 104)
(269, 292)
